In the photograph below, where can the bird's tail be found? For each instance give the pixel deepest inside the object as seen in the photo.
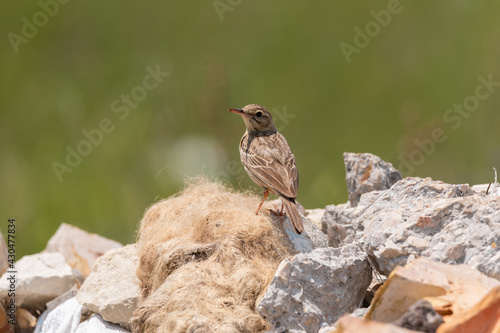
(293, 213)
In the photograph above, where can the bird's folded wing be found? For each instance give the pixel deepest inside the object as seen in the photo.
(277, 170)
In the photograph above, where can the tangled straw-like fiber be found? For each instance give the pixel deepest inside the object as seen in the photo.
(205, 259)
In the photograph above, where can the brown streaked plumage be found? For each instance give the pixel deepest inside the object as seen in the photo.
(268, 160)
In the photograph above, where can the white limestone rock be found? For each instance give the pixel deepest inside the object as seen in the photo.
(316, 287)
(112, 288)
(40, 278)
(366, 173)
(80, 248)
(425, 218)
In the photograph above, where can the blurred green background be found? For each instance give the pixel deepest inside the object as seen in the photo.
(283, 55)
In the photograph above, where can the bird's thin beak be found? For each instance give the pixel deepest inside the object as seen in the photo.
(239, 111)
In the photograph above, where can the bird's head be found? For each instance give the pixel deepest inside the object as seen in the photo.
(257, 118)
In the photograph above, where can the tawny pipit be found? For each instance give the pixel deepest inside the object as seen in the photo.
(268, 160)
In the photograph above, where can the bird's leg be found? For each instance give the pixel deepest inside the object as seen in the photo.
(282, 211)
(266, 193)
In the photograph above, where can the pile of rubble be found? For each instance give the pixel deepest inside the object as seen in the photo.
(402, 255)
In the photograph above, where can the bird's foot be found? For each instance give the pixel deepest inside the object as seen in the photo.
(279, 213)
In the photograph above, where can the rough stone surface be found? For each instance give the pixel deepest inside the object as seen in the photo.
(112, 288)
(421, 317)
(311, 238)
(325, 328)
(366, 173)
(493, 189)
(317, 237)
(315, 215)
(451, 289)
(40, 278)
(80, 248)
(422, 217)
(316, 287)
(337, 224)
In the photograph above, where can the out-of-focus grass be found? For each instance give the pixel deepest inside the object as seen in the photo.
(285, 56)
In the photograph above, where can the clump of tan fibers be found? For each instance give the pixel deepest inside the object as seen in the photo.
(205, 259)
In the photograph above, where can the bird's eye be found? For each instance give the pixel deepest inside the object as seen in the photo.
(258, 114)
